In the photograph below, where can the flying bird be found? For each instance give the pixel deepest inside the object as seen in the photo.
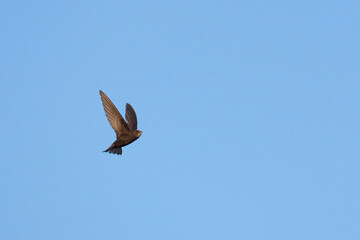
(126, 131)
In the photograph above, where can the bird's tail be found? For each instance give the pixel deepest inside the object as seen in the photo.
(114, 150)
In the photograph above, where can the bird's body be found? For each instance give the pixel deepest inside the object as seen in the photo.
(126, 131)
(122, 141)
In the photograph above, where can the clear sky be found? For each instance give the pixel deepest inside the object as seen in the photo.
(250, 114)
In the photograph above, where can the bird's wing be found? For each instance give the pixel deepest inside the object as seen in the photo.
(115, 119)
(131, 117)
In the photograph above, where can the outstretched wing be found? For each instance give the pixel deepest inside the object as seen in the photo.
(115, 119)
(131, 117)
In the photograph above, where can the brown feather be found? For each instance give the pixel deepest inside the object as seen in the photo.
(131, 117)
(114, 117)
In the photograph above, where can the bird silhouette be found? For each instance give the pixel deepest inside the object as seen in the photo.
(126, 131)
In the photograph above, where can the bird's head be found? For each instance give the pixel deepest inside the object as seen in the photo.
(138, 133)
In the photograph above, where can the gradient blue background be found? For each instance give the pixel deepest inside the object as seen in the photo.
(250, 114)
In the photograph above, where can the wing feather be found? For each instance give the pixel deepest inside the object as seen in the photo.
(131, 117)
(114, 117)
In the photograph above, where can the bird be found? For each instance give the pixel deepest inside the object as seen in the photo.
(126, 131)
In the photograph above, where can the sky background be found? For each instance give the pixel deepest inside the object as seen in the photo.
(250, 114)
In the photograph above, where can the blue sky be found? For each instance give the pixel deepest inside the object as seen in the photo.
(250, 114)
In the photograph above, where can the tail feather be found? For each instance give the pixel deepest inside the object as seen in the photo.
(114, 150)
